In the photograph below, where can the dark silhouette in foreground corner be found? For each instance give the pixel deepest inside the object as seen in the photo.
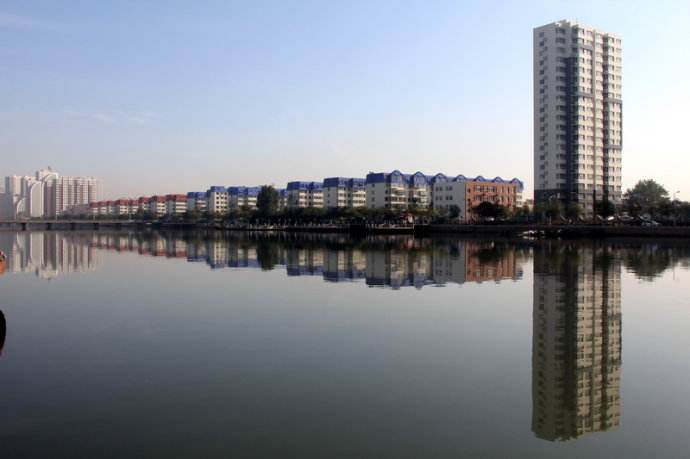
(3, 331)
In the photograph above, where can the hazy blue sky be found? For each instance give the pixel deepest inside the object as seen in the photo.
(160, 97)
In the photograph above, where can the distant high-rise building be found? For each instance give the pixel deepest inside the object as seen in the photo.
(576, 341)
(577, 115)
(47, 194)
(63, 193)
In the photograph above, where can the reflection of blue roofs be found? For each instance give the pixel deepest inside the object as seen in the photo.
(196, 259)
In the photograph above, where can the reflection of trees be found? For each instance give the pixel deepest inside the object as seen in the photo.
(267, 254)
(649, 261)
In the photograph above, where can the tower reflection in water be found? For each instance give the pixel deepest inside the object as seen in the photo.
(576, 340)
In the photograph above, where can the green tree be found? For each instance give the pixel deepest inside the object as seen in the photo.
(605, 208)
(573, 211)
(267, 200)
(192, 215)
(486, 209)
(646, 197)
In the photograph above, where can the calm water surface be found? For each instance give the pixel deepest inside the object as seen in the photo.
(192, 345)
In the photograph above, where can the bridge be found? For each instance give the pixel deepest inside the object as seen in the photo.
(67, 224)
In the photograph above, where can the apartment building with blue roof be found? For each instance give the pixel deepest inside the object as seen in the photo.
(304, 194)
(344, 192)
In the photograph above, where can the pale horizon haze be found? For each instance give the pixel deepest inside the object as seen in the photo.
(170, 97)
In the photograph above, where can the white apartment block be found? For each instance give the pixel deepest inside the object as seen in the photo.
(242, 196)
(341, 192)
(175, 204)
(577, 115)
(396, 190)
(217, 200)
(304, 194)
(64, 192)
(197, 201)
(449, 193)
(123, 207)
(157, 206)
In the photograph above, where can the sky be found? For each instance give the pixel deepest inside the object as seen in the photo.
(169, 97)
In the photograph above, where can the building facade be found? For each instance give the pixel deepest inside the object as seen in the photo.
(464, 193)
(197, 201)
(304, 194)
(175, 204)
(341, 192)
(243, 196)
(577, 115)
(396, 190)
(217, 200)
(157, 206)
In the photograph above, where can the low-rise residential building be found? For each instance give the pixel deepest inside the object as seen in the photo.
(242, 196)
(175, 204)
(157, 206)
(122, 207)
(142, 204)
(304, 194)
(218, 200)
(197, 201)
(465, 193)
(396, 190)
(342, 192)
(282, 198)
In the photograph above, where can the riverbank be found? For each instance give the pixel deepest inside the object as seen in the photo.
(531, 230)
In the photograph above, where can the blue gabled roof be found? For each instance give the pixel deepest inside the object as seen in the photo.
(217, 189)
(343, 181)
(196, 194)
(304, 186)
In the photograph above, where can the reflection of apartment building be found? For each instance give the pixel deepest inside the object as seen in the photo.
(304, 261)
(343, 265)
(342, 192)
(47, 254)
(488, 261)
(407, 263)
(576, 342)
(398, 268)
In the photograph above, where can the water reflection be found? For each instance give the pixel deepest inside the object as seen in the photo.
(382, 261)
(576, 340)
(47, 254)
